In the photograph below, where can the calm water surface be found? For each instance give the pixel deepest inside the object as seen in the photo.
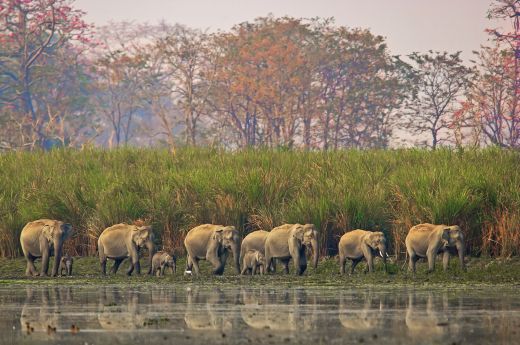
(204, 315)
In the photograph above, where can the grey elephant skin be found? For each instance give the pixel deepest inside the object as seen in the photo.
(213, 243)
(428, 240)
(290, 241)
(66, 265)
(162, 260)
(255, 241)
(357, 245)
(253, 262)
(121, 241)
(44, 238)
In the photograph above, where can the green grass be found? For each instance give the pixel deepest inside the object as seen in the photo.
(388, 190)
(481, 271)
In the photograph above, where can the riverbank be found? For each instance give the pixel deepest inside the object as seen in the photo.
(481, 271)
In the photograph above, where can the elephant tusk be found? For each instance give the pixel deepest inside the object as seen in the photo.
(381, 254)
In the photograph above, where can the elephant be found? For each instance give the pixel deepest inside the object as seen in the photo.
(66, 265)
(358, 244)
(124, 240)
(428, 240)
(289, 241)
(255, 241)
(161, 260)
(253, 261)
(44, 238)
(212, 242)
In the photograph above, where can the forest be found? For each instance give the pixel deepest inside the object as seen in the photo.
(274, 82)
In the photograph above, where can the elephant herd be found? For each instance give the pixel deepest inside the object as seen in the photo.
(258, 252)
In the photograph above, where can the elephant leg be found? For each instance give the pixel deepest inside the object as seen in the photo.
(370, 263)
(431, 254)
(412, 261)
(195, 264)
(31, 269)
(163, 267)
(269, 261)
(355, 262)
(285, 264)
(244, 269)
(46, 252)
(115, 267)
(445, 259)
(342, 262)
(102, 260)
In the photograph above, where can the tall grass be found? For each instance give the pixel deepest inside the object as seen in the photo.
(337, 191)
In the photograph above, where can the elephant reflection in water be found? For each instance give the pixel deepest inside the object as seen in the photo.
(429, 316)
(291, 310)
(42, 310)
(202, 310)
(120, 311)
(371, 315)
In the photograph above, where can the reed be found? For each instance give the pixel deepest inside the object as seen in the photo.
(372, 189)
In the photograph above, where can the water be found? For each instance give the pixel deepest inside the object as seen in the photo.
(204, 315)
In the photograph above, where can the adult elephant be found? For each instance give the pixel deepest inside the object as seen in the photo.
(428, 240)
(213, 243)
(289, 241)
(44, 238)
(357, 245)
(121, 241)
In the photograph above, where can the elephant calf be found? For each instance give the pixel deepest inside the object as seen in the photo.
(357, 245)
(253, 260)
(44, 238)
(427, 240)
(161, 260)
(123, 240)
(66, 265)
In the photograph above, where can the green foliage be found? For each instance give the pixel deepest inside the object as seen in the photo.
(337, 191)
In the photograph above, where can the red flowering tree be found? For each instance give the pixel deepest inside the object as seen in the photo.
(32, 33)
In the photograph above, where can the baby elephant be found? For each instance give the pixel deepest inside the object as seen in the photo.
(253, 261)
(357, 245)
(161, 260)
(66, 265)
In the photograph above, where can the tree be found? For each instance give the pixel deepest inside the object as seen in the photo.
(491, 109)
(441, 79)
(190, 65)
(30, 32)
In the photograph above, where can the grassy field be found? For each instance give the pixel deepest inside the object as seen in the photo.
(387, 190)
(480, 272)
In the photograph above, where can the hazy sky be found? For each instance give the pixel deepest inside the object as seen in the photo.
(408, 25)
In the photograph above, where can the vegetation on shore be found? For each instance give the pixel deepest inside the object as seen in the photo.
(387, 190)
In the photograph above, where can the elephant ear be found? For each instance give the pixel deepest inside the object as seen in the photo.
(48, 232)
(298, 231)
(217, 235)
(141, 233)
(374, 239)
(228, 232)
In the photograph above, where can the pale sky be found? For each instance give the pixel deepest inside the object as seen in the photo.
(408, 25)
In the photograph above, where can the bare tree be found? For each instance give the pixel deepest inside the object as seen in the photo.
(441, 79)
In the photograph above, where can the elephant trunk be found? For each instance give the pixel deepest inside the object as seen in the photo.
(315, 252)
(151, 251)
(384, 255)
(235, 249)
(461, 251)
(58, 249)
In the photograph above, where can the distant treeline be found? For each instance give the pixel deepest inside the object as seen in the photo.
(271, 82)
(260, 189)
